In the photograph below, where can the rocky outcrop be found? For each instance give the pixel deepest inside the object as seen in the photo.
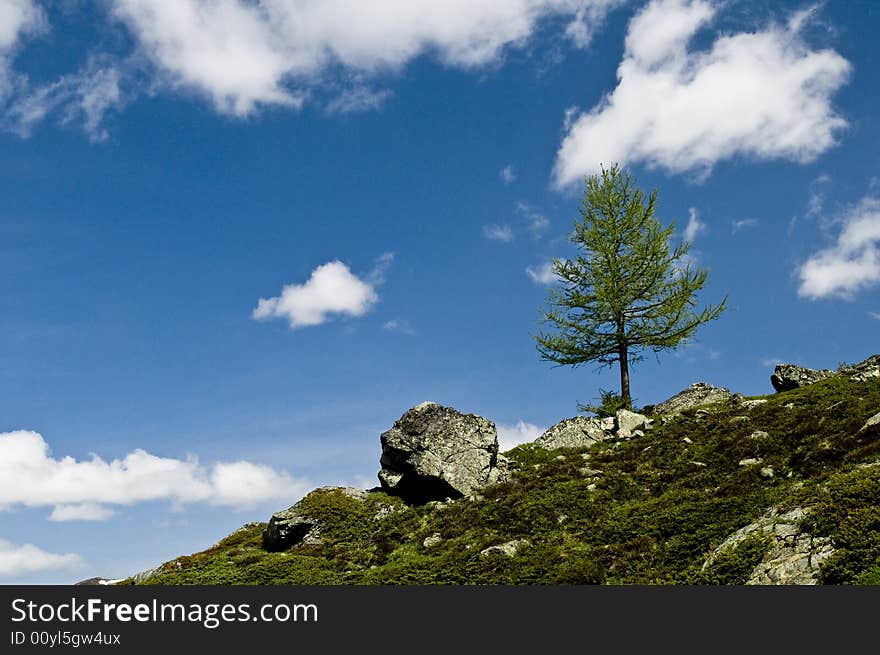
(871, 422)
(794, 556)
(577, 432)
(584, 431)
(434, 452)
(699, 393)
(786, 377)
(295, 527)
(508, 548)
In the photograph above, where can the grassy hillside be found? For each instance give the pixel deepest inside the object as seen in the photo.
(645, 510)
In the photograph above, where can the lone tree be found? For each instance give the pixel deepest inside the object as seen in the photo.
(626, 292)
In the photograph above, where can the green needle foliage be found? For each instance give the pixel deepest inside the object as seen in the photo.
(627, 291)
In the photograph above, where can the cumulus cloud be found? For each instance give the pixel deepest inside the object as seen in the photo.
(852, 263)
(243, 54)
(542, 274)
(85, 489)
(763, 94)
(331, 290)
(508, 174)
(18, 19)
(694, 226)
(519, 433)
(498, 233)
(19, 560)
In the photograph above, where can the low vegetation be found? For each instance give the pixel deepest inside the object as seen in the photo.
(647, 510)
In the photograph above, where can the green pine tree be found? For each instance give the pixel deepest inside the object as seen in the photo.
(627, 291)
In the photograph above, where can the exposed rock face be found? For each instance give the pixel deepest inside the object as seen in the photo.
(584, 431)
(699, 393)
(788, 376)
(293, 526)
(577, 432)
(794, 557)
(434, 452)
(871, 422)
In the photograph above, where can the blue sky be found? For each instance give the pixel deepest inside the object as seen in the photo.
(239, 239)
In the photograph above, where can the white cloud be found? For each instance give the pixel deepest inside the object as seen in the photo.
(83, 490)
(519, 433)
(744, 224)
(18, 18)
(25, 559)
(81, 512)
(875, 315)
(536, 222)
(331, 290)
(508, 174)
(852, 263)
(84, 98)
(498, 233)
(243, 54)
(542, 274)
(763, 94)
(694, 227)
(358, 99)
(397, 325)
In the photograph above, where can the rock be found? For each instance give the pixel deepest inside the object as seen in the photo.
(434, 452)
(294, 527)
(508, 548)
(794, 557)
(432, 540)
(767, 472)
(758, 434)
(871, 422)
(577, 432)
(688, 440)
(749, 404)
(749, 461)
(699, 393)
(628, 423)
(786, 377)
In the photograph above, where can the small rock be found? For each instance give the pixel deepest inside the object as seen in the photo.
(749, 404)
(508, 548)
(589, 473)
(767, 472)
(758, 434)
(687, 440)
(591, 487)
(749, 461)
(432, 540)
(560, 458)
(874, 420)
(739, 419)
(562, 518)
(698, 464)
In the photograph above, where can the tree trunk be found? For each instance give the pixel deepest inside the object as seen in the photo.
(624, 376)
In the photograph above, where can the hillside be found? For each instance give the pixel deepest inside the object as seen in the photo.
(781, 491)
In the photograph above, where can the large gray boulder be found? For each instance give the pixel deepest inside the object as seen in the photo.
(699, 393)
(434, 452)
(786, 377)
(295, 527)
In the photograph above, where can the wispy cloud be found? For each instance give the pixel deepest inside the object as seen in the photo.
(738, 226)
(763, 94)
(542, 274)
(507, 174)
(358, 99)
(502, 233)
(694, 226)
(398, 325)
(535, 222)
